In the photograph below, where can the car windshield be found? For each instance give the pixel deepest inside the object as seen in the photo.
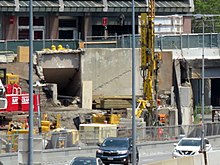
(189, 142)
(115, 143)
(84, 162)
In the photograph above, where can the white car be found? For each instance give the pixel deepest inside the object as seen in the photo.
(189, 147)
(86, 161)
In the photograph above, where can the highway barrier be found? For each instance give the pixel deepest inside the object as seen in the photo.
(190, 160)
(213, 157)
(150, 148)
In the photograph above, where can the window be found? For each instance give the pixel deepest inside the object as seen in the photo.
(68, 28)
(67, 23)
(37, 21)
(23, 34)
(23, 21)
(38, 34)
(23, 27)
(66, 34)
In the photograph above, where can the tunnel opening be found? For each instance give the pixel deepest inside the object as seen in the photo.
(215, 92)
(68, 82)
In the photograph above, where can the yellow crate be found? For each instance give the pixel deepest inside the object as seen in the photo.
(23, 54)
(12, 78)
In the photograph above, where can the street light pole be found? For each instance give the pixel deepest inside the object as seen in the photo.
(203, 83)
(201, 17)
(133, 88)
(31, 123)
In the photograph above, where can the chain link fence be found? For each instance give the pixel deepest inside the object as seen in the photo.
(73, 138)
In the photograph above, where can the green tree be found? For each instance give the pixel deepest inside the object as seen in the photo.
(207, 7)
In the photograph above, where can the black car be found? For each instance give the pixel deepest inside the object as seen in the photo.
(116, 150)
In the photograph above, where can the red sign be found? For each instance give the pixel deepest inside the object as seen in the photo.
(11, 20)
(104, 21)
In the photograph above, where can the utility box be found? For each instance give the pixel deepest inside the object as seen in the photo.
(96, 133)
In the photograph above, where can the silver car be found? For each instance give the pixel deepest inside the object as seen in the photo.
(189, 147)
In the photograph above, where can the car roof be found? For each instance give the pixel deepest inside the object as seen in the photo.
(118, 138)
(185, 138)
(84, 158)
(192, 138)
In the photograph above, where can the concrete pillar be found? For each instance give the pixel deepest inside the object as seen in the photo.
(87, 94)
(88, 25)
(23, 149)
(53, 27)
(53, 88)
(10, 27)
(1, 26)
(186, 100)
(187, 24)
(207, 92)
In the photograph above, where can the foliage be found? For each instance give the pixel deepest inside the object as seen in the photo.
(207, 7)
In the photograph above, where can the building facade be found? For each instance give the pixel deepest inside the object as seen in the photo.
(66, 19)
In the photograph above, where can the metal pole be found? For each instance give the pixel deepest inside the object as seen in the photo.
(39, 112)
(133, 88)
(203, 40)
(31, 123)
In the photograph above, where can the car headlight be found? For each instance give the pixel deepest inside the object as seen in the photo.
(99, 151)
(123, 152)
(175, 150)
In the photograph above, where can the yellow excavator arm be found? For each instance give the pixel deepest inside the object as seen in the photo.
(149, 66)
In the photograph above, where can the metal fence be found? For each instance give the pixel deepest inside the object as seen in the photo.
(10, 46)
(172, 41)
(212, 40)
(65, 139)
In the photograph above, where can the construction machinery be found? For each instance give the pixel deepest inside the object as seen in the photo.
(47, 125)
(13, 99)
(19, 125)
(106, 118)
(150, 62)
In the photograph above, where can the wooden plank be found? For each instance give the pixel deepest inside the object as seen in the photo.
(97, 97)
(115, 104)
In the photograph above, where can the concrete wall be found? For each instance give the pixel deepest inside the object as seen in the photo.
(190, 160)
(194, 53)
(111, 71)
(212, 157)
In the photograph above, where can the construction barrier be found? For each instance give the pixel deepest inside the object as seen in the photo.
(213, 157)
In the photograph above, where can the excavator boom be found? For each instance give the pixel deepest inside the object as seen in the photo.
(149, 66)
